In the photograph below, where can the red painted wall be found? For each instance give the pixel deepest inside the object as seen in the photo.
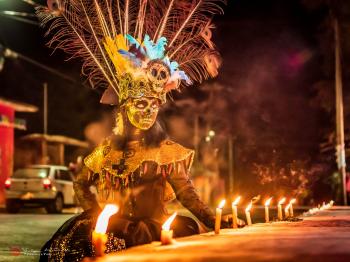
(6, 149)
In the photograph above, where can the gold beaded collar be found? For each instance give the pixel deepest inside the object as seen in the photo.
(122, 163)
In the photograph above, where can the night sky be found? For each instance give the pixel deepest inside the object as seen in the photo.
(272, 59)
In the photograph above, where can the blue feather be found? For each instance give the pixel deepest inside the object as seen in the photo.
(155, 51)
(131, 57)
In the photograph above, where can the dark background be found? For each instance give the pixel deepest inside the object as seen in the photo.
(277, 78)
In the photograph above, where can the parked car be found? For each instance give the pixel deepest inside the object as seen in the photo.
(44, 185)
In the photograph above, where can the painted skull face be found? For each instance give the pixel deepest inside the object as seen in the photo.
(142, 112)
(159, 74)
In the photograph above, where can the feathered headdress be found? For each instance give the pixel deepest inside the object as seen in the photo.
(136, 47)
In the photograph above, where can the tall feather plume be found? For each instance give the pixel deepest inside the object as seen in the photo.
(126, 16)
(164, 22)
(81, 27)
(75, 27)
(187, 26)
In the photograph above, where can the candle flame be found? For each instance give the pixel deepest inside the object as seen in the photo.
(292, 201)
(249, 207)
(235, 203)
(167, 224)
(222, 203)
(282, 201)
(103, 218)
(267, 203)
(287, 207)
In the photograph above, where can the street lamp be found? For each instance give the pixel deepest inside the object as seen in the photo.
(211, 133)
(210, 136)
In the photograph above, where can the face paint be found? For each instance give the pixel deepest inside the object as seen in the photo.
(142, 112)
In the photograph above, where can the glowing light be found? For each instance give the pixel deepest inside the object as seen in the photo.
(268, 202)
(222, 204)
(47, 182)
(249, 207)
(8, 183)
(167, 224)
(282, 201)
(103, 218)
(235, 203)
(287, 208)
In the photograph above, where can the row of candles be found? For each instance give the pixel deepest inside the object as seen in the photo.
(288, 210)
(315, 210)
(99, 236)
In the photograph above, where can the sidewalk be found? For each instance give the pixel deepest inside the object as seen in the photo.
(322, 237)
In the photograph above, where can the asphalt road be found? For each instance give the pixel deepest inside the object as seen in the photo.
(23, 234)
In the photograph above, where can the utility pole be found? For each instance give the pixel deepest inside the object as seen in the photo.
(45, 108)
(340, 147)
(44, 142)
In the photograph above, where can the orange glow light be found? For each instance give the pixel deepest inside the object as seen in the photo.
(249, 207)
(235, 203)
(287, 208)
(167, 224)
(282, 201)
(268, 202)
(222, 204)
(103, 218)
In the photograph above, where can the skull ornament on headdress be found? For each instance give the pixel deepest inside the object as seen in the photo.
(136, 48)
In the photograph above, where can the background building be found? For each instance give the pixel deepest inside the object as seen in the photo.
(8, 123)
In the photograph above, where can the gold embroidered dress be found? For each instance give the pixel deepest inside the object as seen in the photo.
(141, 181)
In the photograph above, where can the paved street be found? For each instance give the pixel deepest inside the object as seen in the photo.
(23, 234)
(322, 237)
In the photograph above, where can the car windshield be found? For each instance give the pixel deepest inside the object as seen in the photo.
(31, 173)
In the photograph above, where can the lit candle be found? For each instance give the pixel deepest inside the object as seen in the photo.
(99, 236)
(234, 212)
(166, 235)
(218, 216)
(286, 210)
(279, 208)
(267, 215)
(247, 214)
(291, 211)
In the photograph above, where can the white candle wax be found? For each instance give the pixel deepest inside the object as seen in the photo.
(218, 220)
(234, 216)
(267, 215)
(291, 211)
(249, 219)
(166, 237)
(286, 212)
(99, 241)
(280, 215)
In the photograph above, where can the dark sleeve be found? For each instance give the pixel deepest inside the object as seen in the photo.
(81, 185)
(187, 195)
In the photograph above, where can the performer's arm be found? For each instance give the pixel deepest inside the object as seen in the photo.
(81, 185)
(187, 195)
